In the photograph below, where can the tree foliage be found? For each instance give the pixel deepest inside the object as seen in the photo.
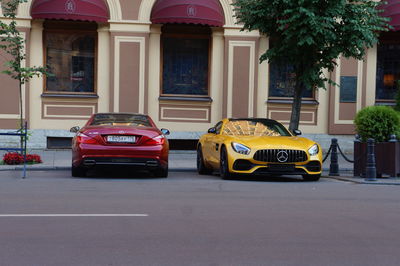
(311, 34)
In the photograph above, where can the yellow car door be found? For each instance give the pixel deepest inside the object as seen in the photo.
(215, 141)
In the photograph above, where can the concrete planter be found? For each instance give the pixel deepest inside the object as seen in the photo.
(387, 158)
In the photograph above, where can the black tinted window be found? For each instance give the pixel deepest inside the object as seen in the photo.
(121, 120)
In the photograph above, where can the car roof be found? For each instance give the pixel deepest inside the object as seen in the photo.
(117, 113)
(253, 119)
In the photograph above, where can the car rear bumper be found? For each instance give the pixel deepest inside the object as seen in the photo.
(136, 156)
(122, 161)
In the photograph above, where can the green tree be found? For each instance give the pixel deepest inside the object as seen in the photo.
(13, 44)
(311, 34)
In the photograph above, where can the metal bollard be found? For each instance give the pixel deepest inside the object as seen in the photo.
(334, 166)
(370, 170)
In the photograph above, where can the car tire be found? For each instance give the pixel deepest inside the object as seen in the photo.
(202, 169)
(78, 171)
(161, 172)
(224, 168)
(311, 177)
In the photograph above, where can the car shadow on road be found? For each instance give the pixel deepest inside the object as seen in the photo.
(119, 173)
(264, 178)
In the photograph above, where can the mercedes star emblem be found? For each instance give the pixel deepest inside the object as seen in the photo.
(282, 156)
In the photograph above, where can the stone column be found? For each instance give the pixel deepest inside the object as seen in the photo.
(217, 74)
(154, 71)
(103, 68)
(36, 84)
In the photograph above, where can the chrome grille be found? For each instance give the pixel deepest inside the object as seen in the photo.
(272, 155)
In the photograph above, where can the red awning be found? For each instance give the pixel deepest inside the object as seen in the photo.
(204, 12)
(85, 10)
(392, 10)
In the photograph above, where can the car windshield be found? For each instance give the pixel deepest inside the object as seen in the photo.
(254, 127)
(120, 120)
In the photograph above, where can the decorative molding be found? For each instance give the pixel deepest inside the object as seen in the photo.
(47, 115)
(252, 46)
(305, 122)
(337, 119)
(118, 40)
(205, 119)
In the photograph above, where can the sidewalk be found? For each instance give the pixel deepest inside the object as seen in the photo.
(183, 161)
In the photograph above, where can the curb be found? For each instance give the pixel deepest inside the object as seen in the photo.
(355, 180)
(359, 180)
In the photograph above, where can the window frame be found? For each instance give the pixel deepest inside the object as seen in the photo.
(84, 28)
(183, 34)
(387, 38)
(283, 98)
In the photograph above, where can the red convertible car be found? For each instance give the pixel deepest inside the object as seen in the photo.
(115, 139)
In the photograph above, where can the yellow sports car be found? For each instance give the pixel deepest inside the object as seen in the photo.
(257, 146)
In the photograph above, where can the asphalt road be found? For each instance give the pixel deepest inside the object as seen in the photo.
(51, 218)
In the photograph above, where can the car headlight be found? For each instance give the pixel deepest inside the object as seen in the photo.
(240, 148)
(313, 150)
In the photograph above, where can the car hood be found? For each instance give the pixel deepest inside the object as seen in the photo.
(265, 142)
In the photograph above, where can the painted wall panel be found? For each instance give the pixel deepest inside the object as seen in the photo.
(240, 79)
(241, 72)
(130, 9)
(68, 110)
(129, 77)
(129, 72)
(185, 113)
(341, 114)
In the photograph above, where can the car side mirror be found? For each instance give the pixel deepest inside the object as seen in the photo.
(74, 129)
(297, 132)
(165, 131)
(212, 130)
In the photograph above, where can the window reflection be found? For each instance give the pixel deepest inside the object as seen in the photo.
(388, 67)
(70, 57)
(185, 60)
(282, 80)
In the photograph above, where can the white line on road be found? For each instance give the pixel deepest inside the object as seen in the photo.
(73, 215)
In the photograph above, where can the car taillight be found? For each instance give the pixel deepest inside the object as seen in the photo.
(159, 140)
(84, 139)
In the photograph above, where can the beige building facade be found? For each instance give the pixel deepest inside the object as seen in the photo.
(186, 76)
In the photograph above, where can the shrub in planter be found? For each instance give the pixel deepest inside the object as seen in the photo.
(13, 158)
(397, 107)
(377, 122)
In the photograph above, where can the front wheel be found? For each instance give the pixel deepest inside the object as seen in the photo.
(78, 171)
(161, 172)
(311, 177)
(202, 169)
(224, 168)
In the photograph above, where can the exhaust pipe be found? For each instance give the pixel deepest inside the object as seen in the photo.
(89, 162)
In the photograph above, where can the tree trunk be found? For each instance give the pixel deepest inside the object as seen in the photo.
(296, 106)
(21, 118)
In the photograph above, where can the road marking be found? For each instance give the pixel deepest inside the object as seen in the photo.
(74, 215)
